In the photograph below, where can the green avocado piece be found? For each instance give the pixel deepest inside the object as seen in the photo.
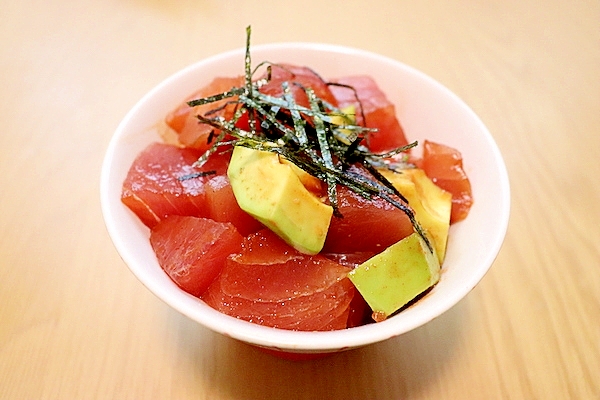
(270, 189)
(432, 205)
(397, 275)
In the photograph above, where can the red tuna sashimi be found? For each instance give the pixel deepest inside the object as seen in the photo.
(367, 227)
(223, 207)
(371, 102)
(184, 121)
(193, 251)
(153, 188)
(444, 166)
(270, 283)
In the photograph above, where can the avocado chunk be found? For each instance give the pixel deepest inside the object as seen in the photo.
(347, 117)
(270, 189)
(432, 205)
(397, 275)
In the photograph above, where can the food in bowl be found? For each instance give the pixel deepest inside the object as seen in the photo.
(297, 202)
(427, 109)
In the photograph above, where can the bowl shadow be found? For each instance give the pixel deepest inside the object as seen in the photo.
(400, 367)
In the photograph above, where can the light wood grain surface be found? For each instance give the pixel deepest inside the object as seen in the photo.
(76, 324)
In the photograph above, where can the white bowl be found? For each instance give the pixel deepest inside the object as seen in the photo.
(426, 109)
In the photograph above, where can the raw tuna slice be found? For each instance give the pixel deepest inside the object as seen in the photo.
(270, 283)
(371, 102)
(192, 251)
(367, 227)
(183, 120)
(154, 189)
(223, 206)
(444, 166)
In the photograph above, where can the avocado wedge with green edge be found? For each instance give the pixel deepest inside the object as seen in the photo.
(394, 277)
(432, 205)
(272, 191)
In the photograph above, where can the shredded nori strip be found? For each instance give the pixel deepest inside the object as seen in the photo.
(194, 175)
(306, 136)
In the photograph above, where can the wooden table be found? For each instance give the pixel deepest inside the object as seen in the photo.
(76, 324)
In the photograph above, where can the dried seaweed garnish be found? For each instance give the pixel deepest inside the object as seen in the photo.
(309, 137)
(195, 175)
